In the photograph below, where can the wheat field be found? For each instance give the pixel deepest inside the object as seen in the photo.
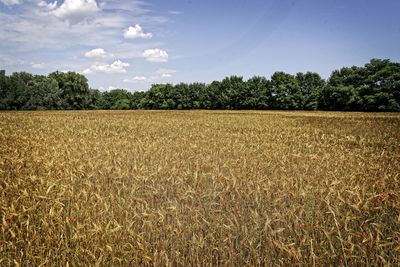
(199, 188)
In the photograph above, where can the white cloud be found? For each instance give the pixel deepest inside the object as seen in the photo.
(165, 71)
(112, 20)
(136, 79)
(104, 29)
(48, 6)
(31, 29)
(75, 11)
(116, 67)
(155, 55)
(38, 65)
(10, 2)
(158, 75)
(136, 32)
(98, 53)
(174, 12)
(111, 88)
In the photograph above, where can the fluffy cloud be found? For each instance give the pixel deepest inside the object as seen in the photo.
(165, 71)
(116, 67)
(157, 76)
(75, 11)
(98, 53)
(155, 55)
(38, 65)
(136, 79)
(111, 88)
(10, 2)
(31, 29)
(48, 6)
(136, 32)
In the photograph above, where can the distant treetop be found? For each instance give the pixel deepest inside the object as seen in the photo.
(373, 87)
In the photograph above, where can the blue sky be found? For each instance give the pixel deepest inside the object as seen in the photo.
(132, 44)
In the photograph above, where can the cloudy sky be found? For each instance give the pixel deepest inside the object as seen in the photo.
(132, 44)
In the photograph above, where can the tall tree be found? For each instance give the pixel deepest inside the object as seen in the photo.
(310, 85)
(74, 89)
(4, 88)
(235, 89)
(337, 98)
(376, 86)
(372, 87)
(42, 93)
(259, 93)
(286, 92)
(381, 87)
(17, 94)
(160, 96)
(217, 96)
(136, 98)
(197, 94)
(117, 99)
(95, 99)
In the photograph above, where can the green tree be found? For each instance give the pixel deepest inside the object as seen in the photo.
(259, 95)
(17, 93)
(381, 87)
(286, 92)
(337, 98)
(196, 94)
(74, 89)
(117, 99)
(122, 104)
(376, 86)
(137, 98)
(310, 85)
(184, 98)
(42, 93)
(4, 89)
(372, 87)
(160, 96)
(234, 90)
(217, 96)
(94, 99)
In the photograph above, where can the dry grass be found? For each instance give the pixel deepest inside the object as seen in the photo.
(199, 188)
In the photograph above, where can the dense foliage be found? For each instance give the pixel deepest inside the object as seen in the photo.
(373, 87)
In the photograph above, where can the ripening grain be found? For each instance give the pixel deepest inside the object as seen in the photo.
(182, 188)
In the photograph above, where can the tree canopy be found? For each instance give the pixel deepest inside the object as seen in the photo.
(372, 87)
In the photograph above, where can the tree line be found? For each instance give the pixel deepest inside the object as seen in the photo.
(372, 87)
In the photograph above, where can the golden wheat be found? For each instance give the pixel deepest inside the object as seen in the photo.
(200, 188)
